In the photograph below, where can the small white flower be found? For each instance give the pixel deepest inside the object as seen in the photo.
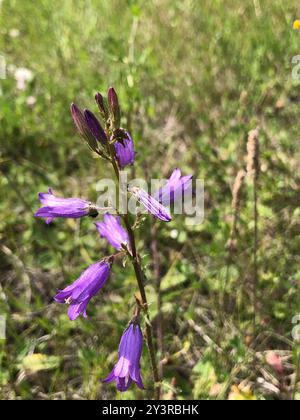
(14, 33)
(23, 76)
(31, 100)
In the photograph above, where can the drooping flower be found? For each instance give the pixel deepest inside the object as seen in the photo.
(174, 188)
(112, 230)
(79, 293)
(125, 150)
(95, 127)
(63, 207)
(151, 204)
(127, 369)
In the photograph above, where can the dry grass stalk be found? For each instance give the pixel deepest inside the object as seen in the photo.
(253, 154)
(253, 173)
(235, 204)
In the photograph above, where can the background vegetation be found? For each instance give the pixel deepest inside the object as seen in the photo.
(193, 78)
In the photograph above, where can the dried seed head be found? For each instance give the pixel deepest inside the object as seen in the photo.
(253, 154)
(231, 245)
(236, 190)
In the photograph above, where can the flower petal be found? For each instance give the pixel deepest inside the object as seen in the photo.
(112, 230)
(151, 204)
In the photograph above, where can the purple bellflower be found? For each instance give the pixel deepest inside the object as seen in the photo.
(174, 188)
(151, 204)
(125, 151)
(79, 293)
(112, 230)
(63, 207)
(127, 368)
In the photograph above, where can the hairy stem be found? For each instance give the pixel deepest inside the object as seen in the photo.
(135, 259)
(157, 275)
(140, 280)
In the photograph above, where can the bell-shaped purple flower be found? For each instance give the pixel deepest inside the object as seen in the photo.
(174, 188)
(127, 369)
(125, 151)
(79, 293)
(63, 207)
(151, 204)
(112, 230)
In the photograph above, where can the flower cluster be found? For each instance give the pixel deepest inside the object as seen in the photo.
(114, 144)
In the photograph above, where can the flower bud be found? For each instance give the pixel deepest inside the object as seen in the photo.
(95, 127)
(114, 108)
(83, 127)
(102, 105)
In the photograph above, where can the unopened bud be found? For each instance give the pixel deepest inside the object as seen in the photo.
(114, 108)
(102, 105)
(83, 127)
(95, 127)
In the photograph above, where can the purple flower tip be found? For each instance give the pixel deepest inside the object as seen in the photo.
(74, 109)
(112, 230)
(79, 293)
(174, 188)
(151, 204)
(125, 151)
(101, 105)
(95, 126)
(83, 127)
(61, 207)
(78, 118)
(114, 107)
(98, 97)
(127, 368)
(112, 97)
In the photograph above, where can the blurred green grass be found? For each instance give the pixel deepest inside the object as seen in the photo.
(193, 79)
